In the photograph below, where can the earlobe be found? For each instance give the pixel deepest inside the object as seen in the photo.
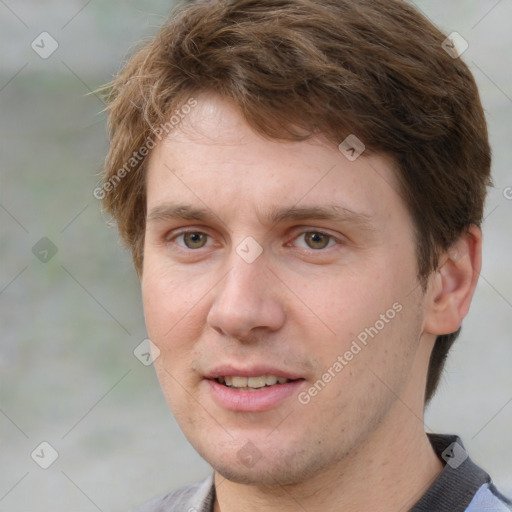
(453, 284)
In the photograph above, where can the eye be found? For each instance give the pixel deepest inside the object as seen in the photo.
(316, 240)
(192, 239)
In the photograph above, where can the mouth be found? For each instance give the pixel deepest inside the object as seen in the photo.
(255, 389)
(260, 387)
(240, 383)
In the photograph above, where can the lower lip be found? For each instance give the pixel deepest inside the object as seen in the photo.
(252, 401)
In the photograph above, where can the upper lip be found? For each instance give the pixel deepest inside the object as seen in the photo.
(228, 370)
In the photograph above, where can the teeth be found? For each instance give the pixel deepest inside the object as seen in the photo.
(271, 380)
(256, 382)
(252, 382)
(239, 382)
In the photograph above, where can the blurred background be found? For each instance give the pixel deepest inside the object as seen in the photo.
(70, 307)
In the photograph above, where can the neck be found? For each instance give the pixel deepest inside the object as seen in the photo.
(389, 472)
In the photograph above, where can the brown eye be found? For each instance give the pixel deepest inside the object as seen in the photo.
(194, 240)
(316, 240)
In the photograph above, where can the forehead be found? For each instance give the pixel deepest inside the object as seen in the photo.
(214, 160)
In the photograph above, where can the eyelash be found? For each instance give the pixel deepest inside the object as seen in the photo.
(317, 232)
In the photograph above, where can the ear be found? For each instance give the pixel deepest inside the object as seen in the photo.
(452, 285)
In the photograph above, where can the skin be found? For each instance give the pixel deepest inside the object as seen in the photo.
(299, 308)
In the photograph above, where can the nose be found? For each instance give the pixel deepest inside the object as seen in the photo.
(247, 301)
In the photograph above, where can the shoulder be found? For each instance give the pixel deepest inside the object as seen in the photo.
(197, 497)
(489, 498)
(462, 486)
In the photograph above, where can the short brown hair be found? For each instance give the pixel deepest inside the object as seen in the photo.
(373, 68)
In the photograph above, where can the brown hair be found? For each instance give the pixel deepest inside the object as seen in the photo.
(373, 68)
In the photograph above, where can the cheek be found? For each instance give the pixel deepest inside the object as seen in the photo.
(172, 308)
(359, 321)
(343, 304)
(172, 313)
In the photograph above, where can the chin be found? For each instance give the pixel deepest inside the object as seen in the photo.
(263, 476)
(273, 469)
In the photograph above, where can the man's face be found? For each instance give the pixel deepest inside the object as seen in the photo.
(270, 259)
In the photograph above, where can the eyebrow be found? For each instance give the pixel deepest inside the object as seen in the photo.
(331, 212)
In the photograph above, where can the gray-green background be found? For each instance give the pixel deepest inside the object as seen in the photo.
(68, 375)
